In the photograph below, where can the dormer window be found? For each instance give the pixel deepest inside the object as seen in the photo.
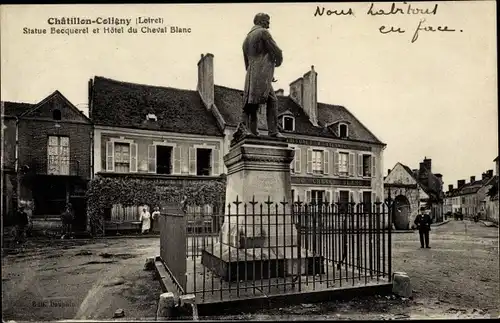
(343, 130)
(56, 114)
(288, 123)
(151, 117)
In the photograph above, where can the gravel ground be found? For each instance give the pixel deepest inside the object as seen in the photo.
(457, 278)
(75, 279)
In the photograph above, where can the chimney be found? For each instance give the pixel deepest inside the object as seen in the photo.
(428, 164)
(490, 173)
(460, 183)
(440, 177)
(280, 92)
(388, 171)
(206, 79)
(450, 187)
(305, 92)
(91, 89)
(472, 179)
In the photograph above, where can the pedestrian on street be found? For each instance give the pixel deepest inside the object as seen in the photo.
(145, 219)
(423, 222)
(22, 222)
(67, 218)
(155, 216)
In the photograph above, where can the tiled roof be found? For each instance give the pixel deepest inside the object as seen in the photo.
(16, 108)
(432, 188)
(122, 104)
(471, 188)
(230, 104)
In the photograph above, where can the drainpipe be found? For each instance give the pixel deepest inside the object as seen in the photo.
(16, 167)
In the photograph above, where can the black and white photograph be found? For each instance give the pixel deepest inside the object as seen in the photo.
(250, 161)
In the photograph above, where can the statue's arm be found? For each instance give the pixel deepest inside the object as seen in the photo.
(245, 57)
(273, 48)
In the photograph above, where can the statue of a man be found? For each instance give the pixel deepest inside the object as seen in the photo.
(262, 55)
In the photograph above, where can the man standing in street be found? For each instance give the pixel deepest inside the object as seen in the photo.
(262, 55)
(423, 222)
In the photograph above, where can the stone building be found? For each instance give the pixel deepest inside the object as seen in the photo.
(412, 189)
(162, 135)
(181, 135)
(46, 158)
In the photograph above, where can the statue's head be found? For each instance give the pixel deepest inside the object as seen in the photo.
(262, 19)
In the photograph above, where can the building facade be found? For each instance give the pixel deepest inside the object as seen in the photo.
(159, 132)
(470, 198)
(47, 152)
(412, 189)
(162, 135)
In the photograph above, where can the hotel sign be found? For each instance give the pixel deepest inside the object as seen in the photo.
(331, 181)
(307, 142)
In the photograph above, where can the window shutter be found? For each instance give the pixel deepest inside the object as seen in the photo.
(337, 197)
(373, 166)
(292, 164)
(152, 158)
(326, 161)
(177, 160)
(110, 156)
(374, 196)
(133, 158)
(308, 196)
(192, 161)
(298, 157)
(329, 196)
(335, 163)
(215, 162)
(360, 165)
(360, 197)
(351, 164)
(309, 161)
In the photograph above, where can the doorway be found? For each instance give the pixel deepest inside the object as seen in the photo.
(401, 212)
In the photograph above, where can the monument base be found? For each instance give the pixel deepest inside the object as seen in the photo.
(233, 264)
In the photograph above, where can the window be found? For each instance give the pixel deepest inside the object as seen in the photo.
(122, 157)
(367, 201)
(317, 161)
(163, 160)
(203, 162)
(288, 123)
(367, 165)
(343, 130)
(343, 201)
(56, 114)
(317, 196)
(58, 155)
(343, 163)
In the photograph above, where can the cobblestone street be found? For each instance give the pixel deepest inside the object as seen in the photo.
(457, 278)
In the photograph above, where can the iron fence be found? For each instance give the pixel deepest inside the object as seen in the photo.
(258, 249)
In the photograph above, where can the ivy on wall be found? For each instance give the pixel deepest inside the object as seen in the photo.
(104, 192)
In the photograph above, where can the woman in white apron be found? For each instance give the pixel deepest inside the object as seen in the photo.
(145, 218)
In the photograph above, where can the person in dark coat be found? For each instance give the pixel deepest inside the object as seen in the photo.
(423, 222)
(261, 55)
(22, 222)
(67, 218)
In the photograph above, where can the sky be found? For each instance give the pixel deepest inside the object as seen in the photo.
(434, 97)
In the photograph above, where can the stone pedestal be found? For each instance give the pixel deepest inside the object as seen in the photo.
(259, 242)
